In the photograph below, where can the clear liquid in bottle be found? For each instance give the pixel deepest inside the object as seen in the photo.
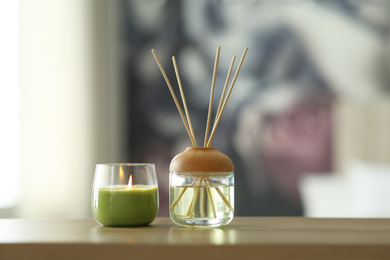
(201, 200)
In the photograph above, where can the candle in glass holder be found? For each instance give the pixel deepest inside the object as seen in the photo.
(125, 205)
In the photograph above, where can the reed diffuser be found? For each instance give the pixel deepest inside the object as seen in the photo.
(202, 178)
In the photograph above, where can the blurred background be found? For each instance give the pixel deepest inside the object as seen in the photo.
(307, 125)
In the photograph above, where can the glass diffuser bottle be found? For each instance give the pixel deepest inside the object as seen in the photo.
(201, 188)
(201, 178)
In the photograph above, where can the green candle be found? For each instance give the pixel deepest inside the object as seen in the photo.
(123, 206)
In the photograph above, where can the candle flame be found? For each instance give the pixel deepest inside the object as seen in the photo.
(130, 182)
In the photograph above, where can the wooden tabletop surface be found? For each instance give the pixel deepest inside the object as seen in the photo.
(244, 238)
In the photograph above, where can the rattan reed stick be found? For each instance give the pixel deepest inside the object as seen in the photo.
(212, 95)
(220, 194)
(191, 209)
(183, 99)
(174, 203)
(211, 201)
(174, 97)
(224, 88)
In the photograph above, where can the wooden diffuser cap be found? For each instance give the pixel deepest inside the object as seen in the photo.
(201, 159)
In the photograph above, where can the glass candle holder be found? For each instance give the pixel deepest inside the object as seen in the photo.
(125, 195)
(201, 188)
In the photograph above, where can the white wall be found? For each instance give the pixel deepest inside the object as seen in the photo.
(9, 104)
(69, 103)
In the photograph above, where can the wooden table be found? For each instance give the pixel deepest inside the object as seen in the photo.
(244, 238)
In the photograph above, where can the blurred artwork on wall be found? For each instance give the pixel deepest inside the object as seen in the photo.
(303, 57)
